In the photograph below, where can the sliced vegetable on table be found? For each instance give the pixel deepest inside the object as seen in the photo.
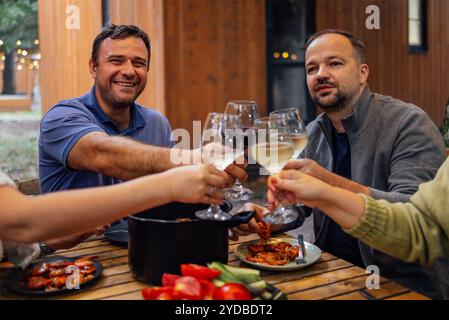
(216, 281)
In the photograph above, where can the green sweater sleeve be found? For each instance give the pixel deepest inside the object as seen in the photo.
(416, 231)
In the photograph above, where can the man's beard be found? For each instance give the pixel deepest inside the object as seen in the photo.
(339, 102)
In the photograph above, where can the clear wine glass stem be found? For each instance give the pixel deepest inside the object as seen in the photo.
(237, 186)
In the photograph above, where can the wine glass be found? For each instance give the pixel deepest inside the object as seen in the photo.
(288, 122)
(246, 112)
(273, 148)
(219, 149)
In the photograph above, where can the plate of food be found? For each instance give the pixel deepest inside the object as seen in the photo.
(276, 254)
(51, 276)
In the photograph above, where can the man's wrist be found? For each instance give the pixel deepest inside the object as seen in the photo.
(344, 183)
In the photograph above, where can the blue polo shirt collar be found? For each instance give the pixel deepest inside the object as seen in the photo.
(137, 120)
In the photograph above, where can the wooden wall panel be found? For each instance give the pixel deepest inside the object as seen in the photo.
(66, 52)
(215, 52)
(26, 80)
(417, 78)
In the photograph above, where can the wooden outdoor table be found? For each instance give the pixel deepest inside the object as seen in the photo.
(329, 278)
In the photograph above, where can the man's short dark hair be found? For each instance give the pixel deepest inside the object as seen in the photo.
(120, 32)
(357, 44)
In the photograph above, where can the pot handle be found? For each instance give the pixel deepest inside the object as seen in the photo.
(240, 218)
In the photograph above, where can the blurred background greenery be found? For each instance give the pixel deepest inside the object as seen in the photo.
(19, 133)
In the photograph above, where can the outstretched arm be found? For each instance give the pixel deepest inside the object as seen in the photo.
(117, 156)
(416, 231)
(31, 219)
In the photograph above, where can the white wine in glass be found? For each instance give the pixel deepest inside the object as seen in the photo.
(288, 121)
(299, 144)
(273, 156)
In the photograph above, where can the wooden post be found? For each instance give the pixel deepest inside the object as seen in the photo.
(67, 29)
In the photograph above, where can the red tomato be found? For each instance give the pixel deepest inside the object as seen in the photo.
(156, 292)
(166, 295)
(232, 291)
(207, 289)
(197, 271)
(169, 279)
(187, 288)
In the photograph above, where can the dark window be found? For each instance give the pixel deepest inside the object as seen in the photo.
(106, 13)
(417, 26)
(288, 25)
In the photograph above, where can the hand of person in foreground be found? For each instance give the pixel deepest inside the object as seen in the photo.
(235, 171)
(196, 184)
(343, 206)
(292, 187)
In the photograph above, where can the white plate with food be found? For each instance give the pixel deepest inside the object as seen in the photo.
(276, 254)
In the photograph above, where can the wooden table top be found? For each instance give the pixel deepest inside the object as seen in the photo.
(329, 278)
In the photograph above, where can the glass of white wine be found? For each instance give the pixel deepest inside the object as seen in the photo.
(273, 150)
(219, 149)
(288, 122)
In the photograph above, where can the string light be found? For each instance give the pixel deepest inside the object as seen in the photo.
(19, 67)
(294, 57)
(1, 42)
(19, 51)
(22, 60)
(19, 42)
(24, 53)
(285, 55)
(35, 63)
(36, 42)
(30, 66)
(276, 55)
(2, 58)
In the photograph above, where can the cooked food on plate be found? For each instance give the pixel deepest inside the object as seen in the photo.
(279, 253)
(53, 275)
(264, 230)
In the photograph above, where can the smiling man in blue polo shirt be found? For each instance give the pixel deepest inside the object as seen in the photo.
(104, 137)
(85, 142)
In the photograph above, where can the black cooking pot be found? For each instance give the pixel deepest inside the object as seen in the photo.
(159, 243)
